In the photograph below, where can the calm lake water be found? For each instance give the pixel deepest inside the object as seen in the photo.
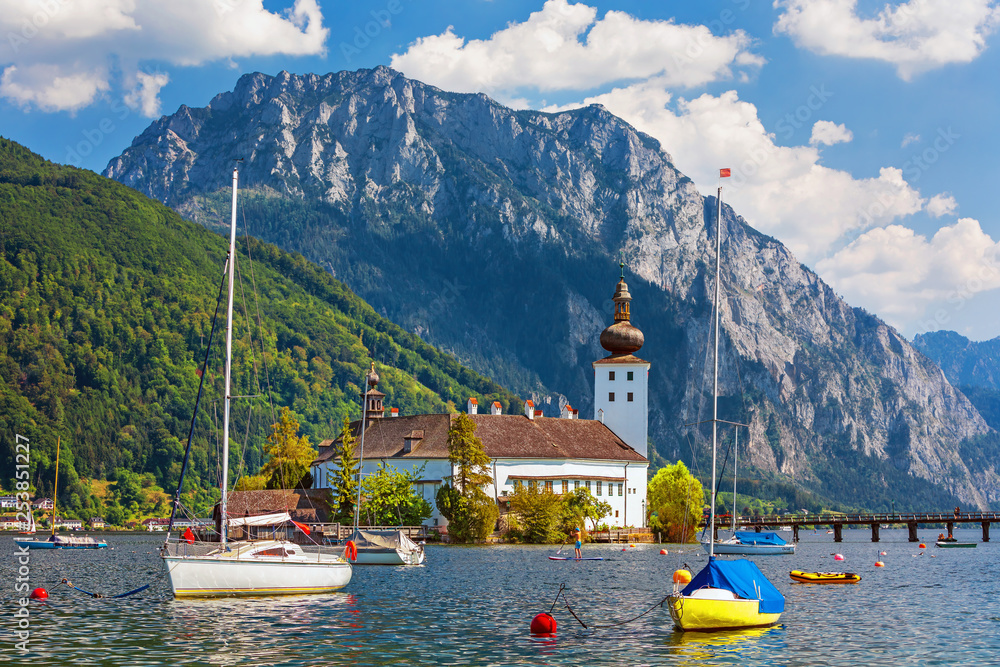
(473, 606)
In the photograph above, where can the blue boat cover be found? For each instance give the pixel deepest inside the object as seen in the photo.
(741, 577)
(759, 538)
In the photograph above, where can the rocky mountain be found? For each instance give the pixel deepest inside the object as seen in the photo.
(964, 362)
(496, 234)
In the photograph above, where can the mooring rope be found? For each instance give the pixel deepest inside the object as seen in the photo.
(568, 607)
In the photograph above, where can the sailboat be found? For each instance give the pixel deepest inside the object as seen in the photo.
(379, 547)
(725, 595)
(57, 541)
(746, 543)
(259, 567)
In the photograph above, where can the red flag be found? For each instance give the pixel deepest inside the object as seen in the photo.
(304, 528)
(724, 173)
(188, 536)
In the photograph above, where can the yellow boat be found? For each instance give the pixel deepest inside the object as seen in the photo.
(824, 577)
(726, 595)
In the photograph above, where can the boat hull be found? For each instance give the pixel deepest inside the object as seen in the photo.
(707, 615)
(46, 544)
(824, 577)
(751, 549)
(957, 545)
(248, 569)
(389, 557)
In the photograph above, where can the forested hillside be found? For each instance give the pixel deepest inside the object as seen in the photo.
(106, 304)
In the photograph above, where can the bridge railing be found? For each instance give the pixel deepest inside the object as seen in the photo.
(724, 520)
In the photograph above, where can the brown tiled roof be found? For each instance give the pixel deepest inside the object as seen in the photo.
(503, 437)
(305, 505)
(620, 359)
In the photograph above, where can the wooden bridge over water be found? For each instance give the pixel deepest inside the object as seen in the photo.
(875, 521)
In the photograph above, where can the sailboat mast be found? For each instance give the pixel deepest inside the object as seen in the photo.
(715, 363)
(361, 455)
(229, 363)
(55, 489)
(736, 449)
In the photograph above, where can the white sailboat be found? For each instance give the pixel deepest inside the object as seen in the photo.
(379, 547)
(265, 567)
(746, 543)
(724, 595)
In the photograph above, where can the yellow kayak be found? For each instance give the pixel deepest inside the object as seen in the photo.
(824, 577)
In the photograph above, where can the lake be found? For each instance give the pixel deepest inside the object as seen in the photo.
(473, 606)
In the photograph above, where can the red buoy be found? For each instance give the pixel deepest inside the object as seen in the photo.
(39, 594)
(543, 624)
(663, 552)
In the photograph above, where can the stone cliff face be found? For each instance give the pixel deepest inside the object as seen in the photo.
(495, 234)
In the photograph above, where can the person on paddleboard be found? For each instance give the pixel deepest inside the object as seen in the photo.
(576, 534)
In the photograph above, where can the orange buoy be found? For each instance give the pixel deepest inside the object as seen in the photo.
(838, 557)
(39, 594)
(543, 624)
(923, 546)
(879, 563)
(682, 577)
(663, 552)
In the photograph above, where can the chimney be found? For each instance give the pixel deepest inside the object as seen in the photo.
(529, 409)
(473, 407)
(567, 412)
(411, 441)
(497, 408)
(575, 414)
(600, 415)
(538, 413)
(394, 412)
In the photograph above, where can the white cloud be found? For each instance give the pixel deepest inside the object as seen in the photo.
(829, 133)
(914, 36)
(781, 190)
(145, 94)
(565, 47)
(910, 138)
(101, 36)
(942, 204)
(904, 276)
(51, 88)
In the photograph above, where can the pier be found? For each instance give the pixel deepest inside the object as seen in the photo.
(836, 522)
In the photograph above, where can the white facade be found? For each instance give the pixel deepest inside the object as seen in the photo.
(621, 391)
(622, 483)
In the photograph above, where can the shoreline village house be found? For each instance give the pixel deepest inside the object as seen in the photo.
(606, 455)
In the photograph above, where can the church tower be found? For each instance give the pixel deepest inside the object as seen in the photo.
(621, 380)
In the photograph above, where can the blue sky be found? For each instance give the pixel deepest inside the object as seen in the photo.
(861, 134)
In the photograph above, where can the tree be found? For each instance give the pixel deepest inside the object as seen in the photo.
(470, 512)
(677, 499)
(128, 489)
(580, 506)
(539, 513)
(289, 454)
(390, 499)
(344, 480)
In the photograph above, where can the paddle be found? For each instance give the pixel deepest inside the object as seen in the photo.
(561, 547)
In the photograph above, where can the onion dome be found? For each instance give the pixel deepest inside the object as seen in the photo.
(372, 376)
(621, 337)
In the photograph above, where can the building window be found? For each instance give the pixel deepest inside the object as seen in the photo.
(587, 484)
(616, 514)
(611, 397)
(532, 484)
(619, 489)
(548, 486)
(629, 378)
(611, 376)
(576, 484)
(565, 486)
(599, 488)
(629, 398)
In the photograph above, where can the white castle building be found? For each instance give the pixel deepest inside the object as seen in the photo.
(606, 455)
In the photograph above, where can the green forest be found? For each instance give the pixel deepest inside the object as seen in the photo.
(106, 307)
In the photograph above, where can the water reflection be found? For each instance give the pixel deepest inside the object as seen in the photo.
(734, 646)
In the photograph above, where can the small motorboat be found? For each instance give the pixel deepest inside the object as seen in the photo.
(824, 577)
(951, 542)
